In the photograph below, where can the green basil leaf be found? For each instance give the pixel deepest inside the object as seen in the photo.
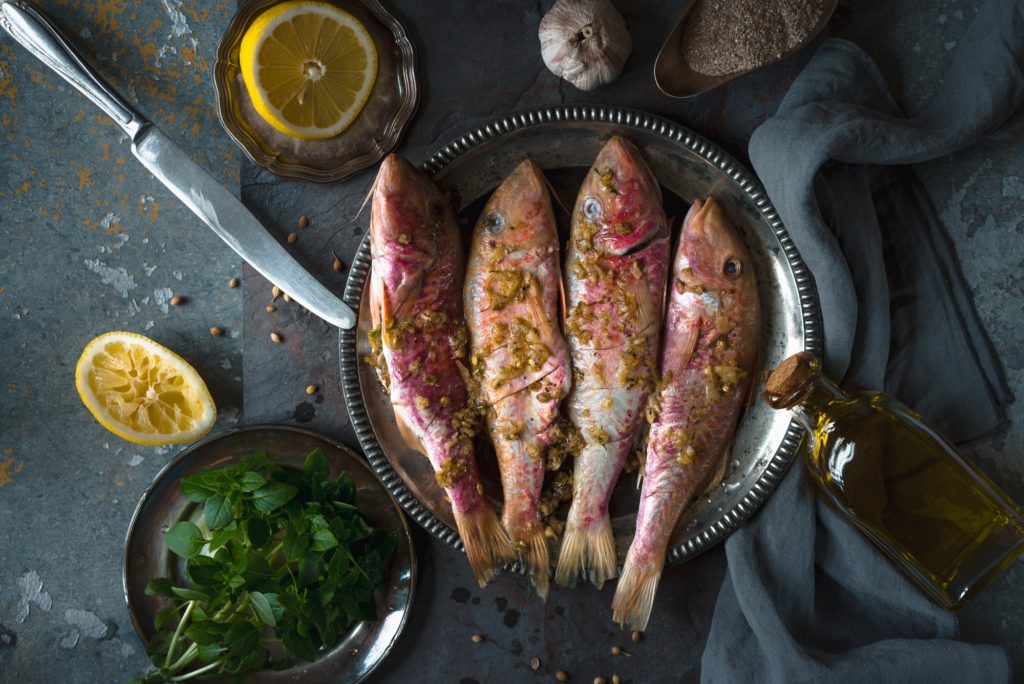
(300, 646)
(273, 495)
(207, 654)
(323, 540)
(190, 594)
(165, 617)
(202, 486)
(241, 637)
(217, 512)
(259, 532)
(275, 606)
(316, 466)
(184, 539)
(250, 481)
(261, 606)
(161, 586)
(223, 535)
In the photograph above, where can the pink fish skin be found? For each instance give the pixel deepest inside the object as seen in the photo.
(513, 304)
(416, 309)
(616, 270)
(709, 354)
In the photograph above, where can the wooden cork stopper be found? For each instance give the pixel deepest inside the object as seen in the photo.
(787, 384)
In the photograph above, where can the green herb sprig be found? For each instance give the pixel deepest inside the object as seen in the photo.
(281, 561)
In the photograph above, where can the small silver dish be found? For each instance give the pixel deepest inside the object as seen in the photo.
(674, 76)
(374, 133)
(146, 556)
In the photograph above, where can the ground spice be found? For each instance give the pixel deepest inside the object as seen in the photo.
(728, 36)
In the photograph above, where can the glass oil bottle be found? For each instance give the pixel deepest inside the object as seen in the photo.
(903, 484)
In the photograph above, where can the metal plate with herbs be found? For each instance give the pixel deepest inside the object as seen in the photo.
(163, 505)
(564, 141)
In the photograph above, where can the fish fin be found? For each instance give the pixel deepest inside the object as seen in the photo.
(376, 299)
(634, 595)
(536, 561)
(485, 541)
(719, 474)
(553, 192)
(588, 550)
(563, 306)
(408, 435)
(369, 196)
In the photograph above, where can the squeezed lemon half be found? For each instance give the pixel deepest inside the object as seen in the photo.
(142, 391)
(308, 67)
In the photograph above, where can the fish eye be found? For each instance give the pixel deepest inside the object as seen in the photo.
(591, 208)
(436, 210)
(494, 222)
(733, 268)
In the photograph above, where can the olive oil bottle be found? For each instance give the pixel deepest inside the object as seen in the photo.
(904, 485)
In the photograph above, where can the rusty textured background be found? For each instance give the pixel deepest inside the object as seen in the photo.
(90, 243)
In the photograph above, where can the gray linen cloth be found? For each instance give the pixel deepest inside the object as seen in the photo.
(807, 597)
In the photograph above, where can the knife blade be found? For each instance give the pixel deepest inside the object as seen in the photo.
(172, 166)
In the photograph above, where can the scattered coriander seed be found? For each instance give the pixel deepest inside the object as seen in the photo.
(616, 650)
(561, 676)
(636, 637)
(303, 221)
(600, 680)
(216, 332)
(275, 338)
(535, 664)
(177, 300)
(616, 679)
(338, 264)
(233, 283)
(275, 292)
(292, 237)
(286, 298)
(271, 308)
(477, 638)
(311, 390)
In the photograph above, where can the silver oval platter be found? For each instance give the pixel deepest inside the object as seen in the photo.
(564, 141)
(146, 555)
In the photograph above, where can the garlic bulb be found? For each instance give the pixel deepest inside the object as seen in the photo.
(585, 42)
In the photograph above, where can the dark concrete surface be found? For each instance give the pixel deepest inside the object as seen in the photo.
(92, 243)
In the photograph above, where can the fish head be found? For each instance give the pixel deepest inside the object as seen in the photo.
(409, 213)
(711, 254)
(518, 215)
(621, 200)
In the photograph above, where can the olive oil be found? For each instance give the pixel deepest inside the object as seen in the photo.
(902, 484)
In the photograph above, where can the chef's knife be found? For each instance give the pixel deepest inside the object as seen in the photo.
(210, 201)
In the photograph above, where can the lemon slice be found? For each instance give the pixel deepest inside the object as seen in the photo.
(308, 68)
(142, 391)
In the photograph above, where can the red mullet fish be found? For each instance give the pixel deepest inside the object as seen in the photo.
(419, 345)
(512, 300)
(709, 351)
(616, 268)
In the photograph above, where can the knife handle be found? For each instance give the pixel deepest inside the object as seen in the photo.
(37, 34)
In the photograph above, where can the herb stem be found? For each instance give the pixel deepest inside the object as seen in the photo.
(187, 657)
(196, 673)
(177, 632)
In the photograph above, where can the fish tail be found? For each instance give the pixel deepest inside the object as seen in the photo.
(487, 545)
(588, 550)
(634, 595)
(536, 562)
